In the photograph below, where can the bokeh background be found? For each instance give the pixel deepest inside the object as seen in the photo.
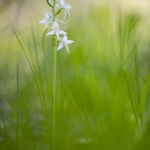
(103, 84)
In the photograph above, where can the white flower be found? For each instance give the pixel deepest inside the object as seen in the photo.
(55, 30)
(64, 42)
(48, 19)
(61, 2)
(66, 8)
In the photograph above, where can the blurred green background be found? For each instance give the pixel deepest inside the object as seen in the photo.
(103, 84)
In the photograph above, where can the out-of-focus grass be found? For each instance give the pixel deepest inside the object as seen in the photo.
(102, 97)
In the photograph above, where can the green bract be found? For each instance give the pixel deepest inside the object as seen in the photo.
(59, 11)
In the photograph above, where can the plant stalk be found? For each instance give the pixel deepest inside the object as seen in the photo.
(53, 85)
(53, 88)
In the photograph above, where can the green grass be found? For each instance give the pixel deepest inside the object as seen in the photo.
(102, 91)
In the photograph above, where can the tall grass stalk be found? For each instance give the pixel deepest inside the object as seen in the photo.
(17, 83)
(5, 130)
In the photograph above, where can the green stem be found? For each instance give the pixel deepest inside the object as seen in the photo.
(53, 88)
(53, 85)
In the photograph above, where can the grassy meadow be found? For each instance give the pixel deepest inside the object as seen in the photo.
(102, 84)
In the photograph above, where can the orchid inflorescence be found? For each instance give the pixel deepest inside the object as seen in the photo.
(50, 20)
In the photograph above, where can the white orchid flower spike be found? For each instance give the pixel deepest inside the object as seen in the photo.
(57, 6)
(64, 42)
(55, 30)
(48, 19)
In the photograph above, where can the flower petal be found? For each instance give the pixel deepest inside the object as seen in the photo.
(69, 41)
(64, 15)
(61, 32)
(66, 46)
(60, 46)
(68, 12)
(55, 25)
(57, 35)
(50, 33)
(44, 21)
(65, 37)
(47, 15)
